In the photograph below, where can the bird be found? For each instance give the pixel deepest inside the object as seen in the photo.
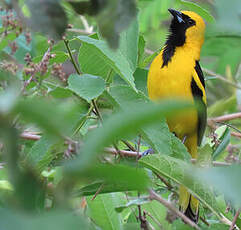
(176, 73)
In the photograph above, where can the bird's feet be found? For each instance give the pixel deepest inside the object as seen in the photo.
(147, 152)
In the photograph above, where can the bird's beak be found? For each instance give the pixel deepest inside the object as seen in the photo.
(176, 14)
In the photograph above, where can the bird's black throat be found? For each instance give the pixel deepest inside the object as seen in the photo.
(176, 37)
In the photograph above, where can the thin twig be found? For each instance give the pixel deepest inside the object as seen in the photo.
(227, 117)
(97, 110)
(80, 31)
(235, 219)
(129, 145)
(98, 191)
(138, 148)
(30, 136)
(218, 76)
(155, 196)
(66, 42)
(204, 221)
(169, 186)
(238, 73)
(134, 154)
(154, 219)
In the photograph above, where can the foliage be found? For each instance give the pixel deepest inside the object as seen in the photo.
(75, 117)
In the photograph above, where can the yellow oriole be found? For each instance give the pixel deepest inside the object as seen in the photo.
(176, 72)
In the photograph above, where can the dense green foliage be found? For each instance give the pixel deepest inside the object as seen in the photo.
(75, 117)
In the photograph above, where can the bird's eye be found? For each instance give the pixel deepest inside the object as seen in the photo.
(191, 22)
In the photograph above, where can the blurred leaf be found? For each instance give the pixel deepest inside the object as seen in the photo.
(51, 220)
(180, 225)
(223, 105)
(5, 185)
(180, 172)
(48, 17)
(116, 17)
(86, 86)
(102, 211)
(5, 40)
(135, 202)
(40, 155)
(140, 76)
(141, 115)
(131, 178)
(60, 92)
(8, 99)
(116, 186)
(58, 57)
(179, 150)
(91, 7)
(204, 158)
(198, 9)
(157, 212)
(141, 48)
(50, 116)
(158, 134)
(159, 137)
(115, 59)
(129, 44)
(223, 143)
(225, 179)
(229, 15)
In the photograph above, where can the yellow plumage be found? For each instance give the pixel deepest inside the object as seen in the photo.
(174, 73)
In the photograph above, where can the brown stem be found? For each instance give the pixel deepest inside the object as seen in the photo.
(218, 76)
(155, 196)
(234, 220)
(227, 117)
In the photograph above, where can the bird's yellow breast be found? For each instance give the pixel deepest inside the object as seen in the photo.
(174, 81)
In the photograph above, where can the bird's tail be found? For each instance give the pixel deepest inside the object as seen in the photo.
(188, 204)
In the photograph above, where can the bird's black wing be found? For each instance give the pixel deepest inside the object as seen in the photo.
(198, 95)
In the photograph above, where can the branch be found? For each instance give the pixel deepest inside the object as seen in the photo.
(155, 196)
(30, 136)
(135, 154)
(232, 226)
(66, 42)
(218, 76)
(227, 117)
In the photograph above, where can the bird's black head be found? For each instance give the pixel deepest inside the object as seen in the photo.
(179, 24)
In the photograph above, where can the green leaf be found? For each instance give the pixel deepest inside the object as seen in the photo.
(140, 76)
(180, 172)
(111, 175)
(228, 15)
(60, 92)
(198, 9)
(225, 179)
(138, 201)
(157, 135)
(116, 17)
(102, 211)
(115, 59)
(139, 116)
(59, 57)
(129, 44)
(141, 48)
(51, 220)
(159, 212)
(224, 141)
(86, 86)
(40, 155)
(179, 150)
(48, 17)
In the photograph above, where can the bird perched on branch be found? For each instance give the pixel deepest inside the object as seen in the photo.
(176, 72)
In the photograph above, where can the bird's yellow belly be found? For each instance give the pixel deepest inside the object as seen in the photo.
(164, 84)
